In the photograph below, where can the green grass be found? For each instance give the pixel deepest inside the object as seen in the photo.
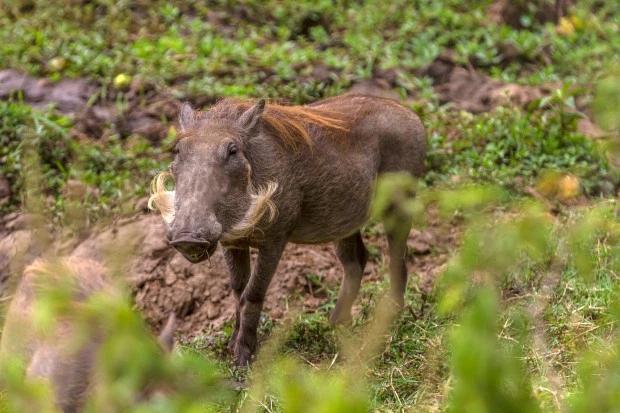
(302, 51)
(113, 173)
(271, 48)
(514, 148)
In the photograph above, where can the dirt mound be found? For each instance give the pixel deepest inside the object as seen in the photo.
(468, 90)
(374, 87)
(147, 113)
(462, 87)
(511, 12)
(19, 246)
(199, 294)
(163, 281)
(69, 95)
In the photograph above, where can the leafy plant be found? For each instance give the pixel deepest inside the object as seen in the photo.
(513, 148)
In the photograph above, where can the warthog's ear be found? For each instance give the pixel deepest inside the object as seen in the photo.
(250, 119)
(187, 117)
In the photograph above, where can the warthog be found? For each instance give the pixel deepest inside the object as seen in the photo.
(63, 356)
(251, 174)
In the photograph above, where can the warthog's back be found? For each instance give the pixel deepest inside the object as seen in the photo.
(337, 175)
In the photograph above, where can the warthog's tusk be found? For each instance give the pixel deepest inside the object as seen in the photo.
(161, 199)
(261, 205)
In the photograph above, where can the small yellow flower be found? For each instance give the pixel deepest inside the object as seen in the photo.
(577, 22)
(565, 27)
(57, 64)
(172, 131)
(568, 187)
(562, 187)
(122, 81)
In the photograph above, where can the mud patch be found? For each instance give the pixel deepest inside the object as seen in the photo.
(516, 13)
(68, 96)
(374, 87)
(145, 112)
(466, 89)
(200, 295)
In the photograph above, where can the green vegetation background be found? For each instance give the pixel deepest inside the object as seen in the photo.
(510, 340)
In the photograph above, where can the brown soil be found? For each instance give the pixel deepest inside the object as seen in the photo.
(147, 113)
(466, 89)
(163, 281)
(510, 12)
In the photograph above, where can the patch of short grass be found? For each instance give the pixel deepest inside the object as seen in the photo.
(105, 178)
(514, 148)
(300, 51)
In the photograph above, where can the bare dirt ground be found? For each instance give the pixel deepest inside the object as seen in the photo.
(147, 113)
(163, 281)
(467, 89)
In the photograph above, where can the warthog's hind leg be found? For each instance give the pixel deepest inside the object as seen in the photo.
(353, 255)
(397, 246)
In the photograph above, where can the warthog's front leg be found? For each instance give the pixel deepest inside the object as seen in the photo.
(238, 261)
(252, 299)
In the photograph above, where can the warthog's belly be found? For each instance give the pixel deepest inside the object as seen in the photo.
(337, 207)
(314, 233)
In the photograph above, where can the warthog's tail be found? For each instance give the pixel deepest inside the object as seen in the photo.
(161, 199)
(261, 206)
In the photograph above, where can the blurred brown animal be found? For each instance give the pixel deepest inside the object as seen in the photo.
(63, 357)
(251, 174)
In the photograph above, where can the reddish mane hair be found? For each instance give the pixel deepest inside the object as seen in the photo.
(289, 123)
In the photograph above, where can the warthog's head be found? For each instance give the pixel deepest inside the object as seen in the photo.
(214, 198)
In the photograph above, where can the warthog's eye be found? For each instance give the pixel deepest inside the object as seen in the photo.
(232, 149)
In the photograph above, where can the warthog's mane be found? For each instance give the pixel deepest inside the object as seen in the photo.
(290, 124)
(161, 198)
(261, 206)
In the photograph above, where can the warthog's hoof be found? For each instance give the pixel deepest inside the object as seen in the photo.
(242, 356)
(243, 350)
(340, 318)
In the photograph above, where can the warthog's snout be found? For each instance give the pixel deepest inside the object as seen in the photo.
(194, 248)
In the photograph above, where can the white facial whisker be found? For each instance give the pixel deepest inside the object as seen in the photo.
(261, 206)
(161, 199)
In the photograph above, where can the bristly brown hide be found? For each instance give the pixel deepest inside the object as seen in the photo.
(288, 123)
(305, 174)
